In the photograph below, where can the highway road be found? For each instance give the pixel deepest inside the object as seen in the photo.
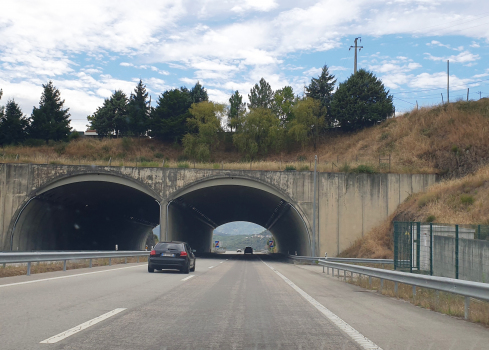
(230, 302)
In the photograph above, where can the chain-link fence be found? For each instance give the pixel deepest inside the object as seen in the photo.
(455, 251)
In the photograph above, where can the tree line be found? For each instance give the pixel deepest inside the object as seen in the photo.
(271, 121)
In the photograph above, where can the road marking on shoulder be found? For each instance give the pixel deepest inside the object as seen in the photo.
(210, 267)
(221, 262)
(74, 330)
(187, 278)
(69, 276)
(359, 338)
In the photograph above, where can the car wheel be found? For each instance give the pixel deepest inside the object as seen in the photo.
(193, 268)
(186, 269)
(150, 269)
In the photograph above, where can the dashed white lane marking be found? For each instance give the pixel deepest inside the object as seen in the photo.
(187, 278)
(66, 334)
(69, 276)
(361, 340)
(210, 267)
(221, 262)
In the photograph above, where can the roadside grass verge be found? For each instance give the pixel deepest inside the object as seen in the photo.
(445, 303)
(10, 270)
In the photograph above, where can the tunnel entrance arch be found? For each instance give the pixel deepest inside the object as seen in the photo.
(90, 211)
(194, 211)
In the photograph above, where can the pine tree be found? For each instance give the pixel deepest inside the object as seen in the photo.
(198, 93)
(361, 101)
(321, 89)
(236, 110)
(138, 110)
(111, 118)
(50, 121)
(168, 121)
(261, 96)
(13, 124)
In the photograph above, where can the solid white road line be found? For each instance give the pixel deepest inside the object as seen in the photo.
(361, 340)
(69, 276)
(210, 267)
(66, 334)
(187, 278)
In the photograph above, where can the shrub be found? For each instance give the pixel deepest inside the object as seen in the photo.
(426, 199)
(384, 136)
(34, 142)
(345, 168)
(467, 199)
(182, 158)
(150, 164)
(183, 165)
(166, 165)
(74, 136)
(304, 168)
(159, 155)
(290, 168)
(126, 143)
(364, 169)
(144, 159)
(216, 166)
(60, 147)
(430, 218)
(301, 158)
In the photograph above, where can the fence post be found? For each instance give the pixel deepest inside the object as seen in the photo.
(28, 269)
(456, 251)
(411, 248)
(137, 259)
(431, 249)
(396, 251)
(90, 263)
(64, 265)
(478, 231)
(418, 245)
(395, 288)
(110, 261)
(467, 307)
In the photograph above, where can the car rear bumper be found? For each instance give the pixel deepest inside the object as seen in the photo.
(167, 263)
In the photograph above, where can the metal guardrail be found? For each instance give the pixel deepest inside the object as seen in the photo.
(344, 260)
(30, 257)
(468, 289)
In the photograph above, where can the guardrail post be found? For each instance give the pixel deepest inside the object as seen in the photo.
(456, 251)
(64, 265)
(381, 284)
(28, 269)
(137, 259)
(110, 261)
(332, 270)
(323, 269)
(344, 275)
(4, 264)
(370, 281)
(125, 260)
(327, 270)
(431, 249)
(467, 308)
(414, 292)
(90, 265)
(395, 288)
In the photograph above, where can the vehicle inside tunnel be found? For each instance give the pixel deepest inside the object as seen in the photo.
(86, 215)
(193, 216)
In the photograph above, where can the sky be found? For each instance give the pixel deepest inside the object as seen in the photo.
(91, 48)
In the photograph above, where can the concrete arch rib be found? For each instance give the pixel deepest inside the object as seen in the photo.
(98, 177)
(223, 194)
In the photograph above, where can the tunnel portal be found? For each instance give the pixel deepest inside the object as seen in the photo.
(86, 215)
(193, 216)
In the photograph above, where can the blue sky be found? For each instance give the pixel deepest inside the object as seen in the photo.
(90, 48)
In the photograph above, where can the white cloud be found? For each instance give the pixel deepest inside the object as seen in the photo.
(474, 44)
(462, 57)
(255, 5)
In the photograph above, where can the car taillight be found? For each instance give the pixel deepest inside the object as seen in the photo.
(183, 254)
(153, 252)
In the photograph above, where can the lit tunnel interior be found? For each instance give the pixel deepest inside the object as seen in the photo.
(193, 216)
(87, 215)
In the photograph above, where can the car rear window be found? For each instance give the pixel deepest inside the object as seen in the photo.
(169, 246)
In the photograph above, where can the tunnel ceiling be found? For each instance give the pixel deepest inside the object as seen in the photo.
(223, 204)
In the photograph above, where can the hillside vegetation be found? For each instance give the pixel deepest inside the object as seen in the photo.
(450, 140)
(457, 201)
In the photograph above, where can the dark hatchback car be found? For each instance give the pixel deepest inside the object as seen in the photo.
(172, 255)
(248, 250)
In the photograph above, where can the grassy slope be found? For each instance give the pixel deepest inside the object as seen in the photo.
(444, 139)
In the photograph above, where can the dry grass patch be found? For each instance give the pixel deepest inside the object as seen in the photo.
(10, 270)
(446, 303)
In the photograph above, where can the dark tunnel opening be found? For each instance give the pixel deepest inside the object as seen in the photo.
(86, 215)
(193, 216)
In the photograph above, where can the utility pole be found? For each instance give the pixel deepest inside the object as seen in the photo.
(480, 94)
(448, 81)
(356, 47)
(467, 94)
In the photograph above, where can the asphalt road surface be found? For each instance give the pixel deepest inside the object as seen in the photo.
(231, 302)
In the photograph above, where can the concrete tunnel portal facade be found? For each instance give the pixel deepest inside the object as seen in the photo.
(98, 211)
